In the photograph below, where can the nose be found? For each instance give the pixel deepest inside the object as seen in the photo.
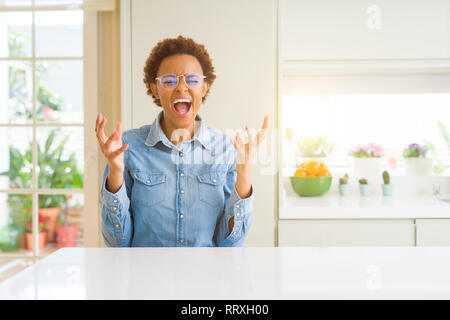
(181, 84)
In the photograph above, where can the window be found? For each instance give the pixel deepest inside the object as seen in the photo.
(392, 111)
(46, 95)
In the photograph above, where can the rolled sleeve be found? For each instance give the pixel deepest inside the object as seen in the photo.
(116, 224)
(241, 210)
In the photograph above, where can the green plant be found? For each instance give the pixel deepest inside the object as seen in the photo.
(386, 177)
(17, 77)
(415, 150)
(344, 179)
(41, 225)
(371, 150)
(315, 147)
(362, 181)
(49, 99)
(54, 173)
(438, 168)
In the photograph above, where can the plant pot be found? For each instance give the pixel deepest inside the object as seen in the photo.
(67, 235)
(419, 166)
(366, 167)
(344, 190)
(387, 189)
(364, 190)
(50, 217)
(49, 113)
(42, 240)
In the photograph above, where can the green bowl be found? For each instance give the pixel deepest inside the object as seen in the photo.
(311, 186)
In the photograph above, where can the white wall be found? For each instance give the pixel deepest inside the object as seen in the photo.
(240, 36)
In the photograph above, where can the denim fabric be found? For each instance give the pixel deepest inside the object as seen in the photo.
(175, 196)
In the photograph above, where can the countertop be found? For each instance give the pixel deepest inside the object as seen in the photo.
(357, 207)
(236, 273)
(412, 199)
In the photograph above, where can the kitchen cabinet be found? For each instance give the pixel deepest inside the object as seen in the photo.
(310, 233)
(433, 232)
(361, 47)
(358, 30)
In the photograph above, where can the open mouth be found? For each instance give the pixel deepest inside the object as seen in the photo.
(182, 107)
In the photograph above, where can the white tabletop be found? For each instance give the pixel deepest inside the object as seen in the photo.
(236, 273)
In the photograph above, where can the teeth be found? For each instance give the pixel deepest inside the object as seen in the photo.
(181, 100)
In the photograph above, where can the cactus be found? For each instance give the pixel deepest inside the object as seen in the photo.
(386, 177)
(344, 179)
(362, 181)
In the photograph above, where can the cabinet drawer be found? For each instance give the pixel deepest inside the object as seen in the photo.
(346, 233)
(433, 232)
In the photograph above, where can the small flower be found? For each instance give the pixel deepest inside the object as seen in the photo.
(371, 150)
(415, 150)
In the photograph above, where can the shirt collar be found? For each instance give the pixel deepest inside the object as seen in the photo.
(201, 132)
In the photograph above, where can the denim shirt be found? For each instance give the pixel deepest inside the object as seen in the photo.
(175, 196)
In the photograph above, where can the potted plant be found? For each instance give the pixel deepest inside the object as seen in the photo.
(42, 235)
(364, 187)
(314, 147)
(366, 159)
(58, 174)
(66, 233)
(416, 163)
(9, 237)
(387, 187)
(344, 188)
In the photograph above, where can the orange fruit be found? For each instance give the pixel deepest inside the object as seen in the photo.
(302, 165)
(300, 173)
(324, 173)
(312, 167)
(322, 165)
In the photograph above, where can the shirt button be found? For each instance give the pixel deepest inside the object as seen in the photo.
(214, 180)
(181, 240)
(115, 200)
(117, 225)
(148, 181)
(237, 206)
(182, 174)
(181, 154)
(238, 214)
(234, 233)
(115, 208)
(181, 216)
(182, 191)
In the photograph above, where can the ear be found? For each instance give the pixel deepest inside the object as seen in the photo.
(154, 89)
(205, 88)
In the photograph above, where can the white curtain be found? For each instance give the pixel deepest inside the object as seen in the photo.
(88, 5)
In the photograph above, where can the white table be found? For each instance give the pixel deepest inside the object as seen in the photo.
(236, 273)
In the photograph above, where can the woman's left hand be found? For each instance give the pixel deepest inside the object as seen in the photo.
(247, 151)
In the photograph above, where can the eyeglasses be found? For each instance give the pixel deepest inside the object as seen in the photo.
(169, 81)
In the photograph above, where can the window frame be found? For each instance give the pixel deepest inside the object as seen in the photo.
(91, 222)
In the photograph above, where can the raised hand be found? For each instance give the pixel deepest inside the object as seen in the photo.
(247, 151)
(111, 147)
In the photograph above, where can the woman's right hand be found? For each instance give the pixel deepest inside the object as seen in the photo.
(111, 147)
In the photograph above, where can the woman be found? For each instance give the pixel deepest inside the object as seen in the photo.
(176, 182)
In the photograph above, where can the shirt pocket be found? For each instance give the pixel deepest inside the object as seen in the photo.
(149, 188)
(210, 188)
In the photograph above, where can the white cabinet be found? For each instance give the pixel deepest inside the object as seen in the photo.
(346, 233)
(433, 232)
(355, 29)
